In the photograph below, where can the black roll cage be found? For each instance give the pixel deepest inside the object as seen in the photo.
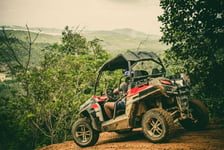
(127, 61)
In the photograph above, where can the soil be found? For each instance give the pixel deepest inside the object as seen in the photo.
(210, 138)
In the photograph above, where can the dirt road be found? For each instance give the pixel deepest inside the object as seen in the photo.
(210, 138)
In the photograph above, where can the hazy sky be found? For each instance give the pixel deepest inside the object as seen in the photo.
(92, 14)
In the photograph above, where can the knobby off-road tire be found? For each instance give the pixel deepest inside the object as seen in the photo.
(200, 116)
(157, 125)
(83, 133)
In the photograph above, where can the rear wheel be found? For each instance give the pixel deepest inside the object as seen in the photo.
(157, 125)
(83, 133)
(199, 116)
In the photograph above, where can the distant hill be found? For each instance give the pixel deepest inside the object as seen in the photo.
(120, 40)
(114, 41)
(42, 38)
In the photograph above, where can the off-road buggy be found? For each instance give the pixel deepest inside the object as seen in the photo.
(153, 102)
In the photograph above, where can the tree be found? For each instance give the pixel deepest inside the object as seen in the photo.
(16, 53)
(13, 132)
(40, 105)
(73, 42)
(195, 31)
(61, 84)
(16, 59)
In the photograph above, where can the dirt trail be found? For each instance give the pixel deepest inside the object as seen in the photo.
(210, 138)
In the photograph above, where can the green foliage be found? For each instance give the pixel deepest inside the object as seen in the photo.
(215, 106)
(15, 133)
(16, 52)
(11, 53)
(42, 107)
(73, 42)
(109, 80)
(61, 84)
(194, 29)
(114, 41)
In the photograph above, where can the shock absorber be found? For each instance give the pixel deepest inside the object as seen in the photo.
(183, 101)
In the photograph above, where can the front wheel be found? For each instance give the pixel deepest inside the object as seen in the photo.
(157, 125)
(83, 133)
(199, 118)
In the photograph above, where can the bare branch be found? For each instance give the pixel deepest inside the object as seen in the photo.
(9, 46)
(41, 130)
(22, 44)
(36, 36)
(29, 48)
(140, 44)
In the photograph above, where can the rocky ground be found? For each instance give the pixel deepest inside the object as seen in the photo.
(210, 138)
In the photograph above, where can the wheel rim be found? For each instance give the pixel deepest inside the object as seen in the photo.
(155, 127)
(83, 134)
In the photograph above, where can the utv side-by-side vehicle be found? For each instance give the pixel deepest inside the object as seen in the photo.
(153, 101)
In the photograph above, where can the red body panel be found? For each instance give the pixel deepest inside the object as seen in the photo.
(137, 89)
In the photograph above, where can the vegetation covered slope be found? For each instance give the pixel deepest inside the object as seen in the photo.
(114, 41)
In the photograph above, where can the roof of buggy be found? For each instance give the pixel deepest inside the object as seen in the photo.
(121, 60)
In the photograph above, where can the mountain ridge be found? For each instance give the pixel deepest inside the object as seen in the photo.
(114, 41)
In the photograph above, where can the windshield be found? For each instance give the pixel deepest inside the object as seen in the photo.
(108, 79)
(148, 66)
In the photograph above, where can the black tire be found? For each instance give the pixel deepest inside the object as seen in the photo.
(200, 116)
(83, 133)
(157, 125)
